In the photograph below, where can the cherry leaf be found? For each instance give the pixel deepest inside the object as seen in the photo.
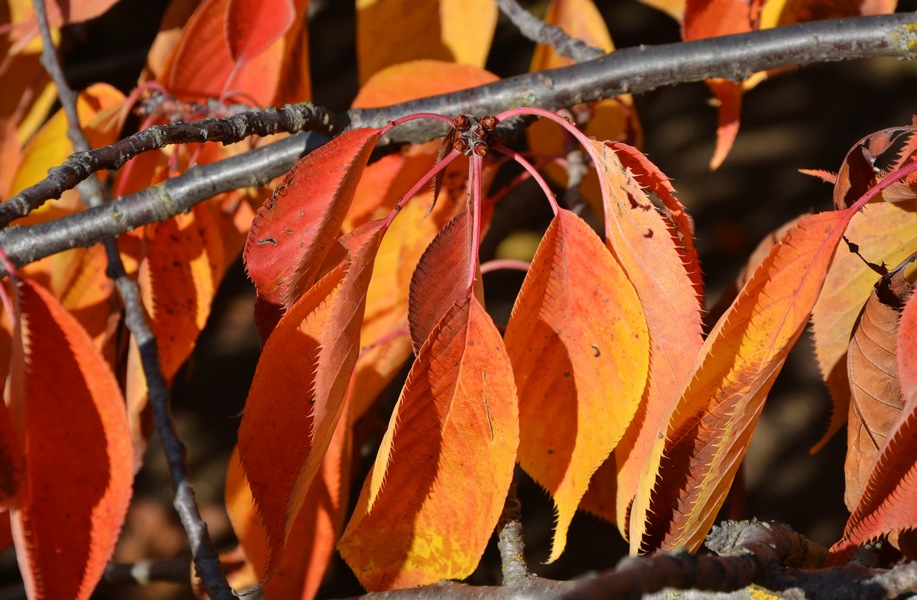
(454, 434)
(580, 352)
(707, 431)
(297, 395)
(79, 465)
(294, 230)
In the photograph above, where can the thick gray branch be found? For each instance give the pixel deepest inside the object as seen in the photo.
(629, 70)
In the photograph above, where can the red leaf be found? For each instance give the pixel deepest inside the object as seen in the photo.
(295, 229)
(253, 25)
(441, 278)
(79, 467)
(313, 532)
(453, 437)
(297, 395)
(580, 352)
(202, 67)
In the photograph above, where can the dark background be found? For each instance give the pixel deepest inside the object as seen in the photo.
(804, 119)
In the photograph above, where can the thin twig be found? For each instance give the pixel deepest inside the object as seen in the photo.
(157, 203)
(212, 577)
(630, 70)
(510, 541)
(538, 31)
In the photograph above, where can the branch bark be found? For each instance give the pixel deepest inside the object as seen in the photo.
(629, 70)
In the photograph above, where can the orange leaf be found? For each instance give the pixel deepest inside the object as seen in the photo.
(729, 110)
(887, 505)
(396, 31)
(907, 350)
(253, 25)
(418, 79)
(876, 399)
(657, 254)
(884, 232)
(70, 415)
(707, 431)
(180, 275)
(453, 436)
(578, 343)
(293, 408)
(313, 533)
(202, 66)
(295, 229)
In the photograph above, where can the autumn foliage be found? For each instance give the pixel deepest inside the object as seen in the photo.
(603, 385)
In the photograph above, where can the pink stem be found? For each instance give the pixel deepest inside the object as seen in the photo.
(533, 172)
(890, 179)
(475, 176)
(419, 185)
(505, 263)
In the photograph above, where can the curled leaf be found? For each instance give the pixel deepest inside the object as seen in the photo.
(876, 399)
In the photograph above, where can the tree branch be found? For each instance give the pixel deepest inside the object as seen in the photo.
(629, 70)
(538, 31)
(156, 203)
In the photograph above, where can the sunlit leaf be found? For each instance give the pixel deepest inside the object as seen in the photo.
(295, 229)
(453, 435)
(707, 431)
(253, 25)
(396, 31)
(656, 251)
(419, 78)
(578, 343)
(70, 415)
(201, 63)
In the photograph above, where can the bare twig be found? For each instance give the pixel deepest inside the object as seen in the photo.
(79, 166)
(538, 31)
(205, 557)
(157, 203)
(630, 70)
(510, 541)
